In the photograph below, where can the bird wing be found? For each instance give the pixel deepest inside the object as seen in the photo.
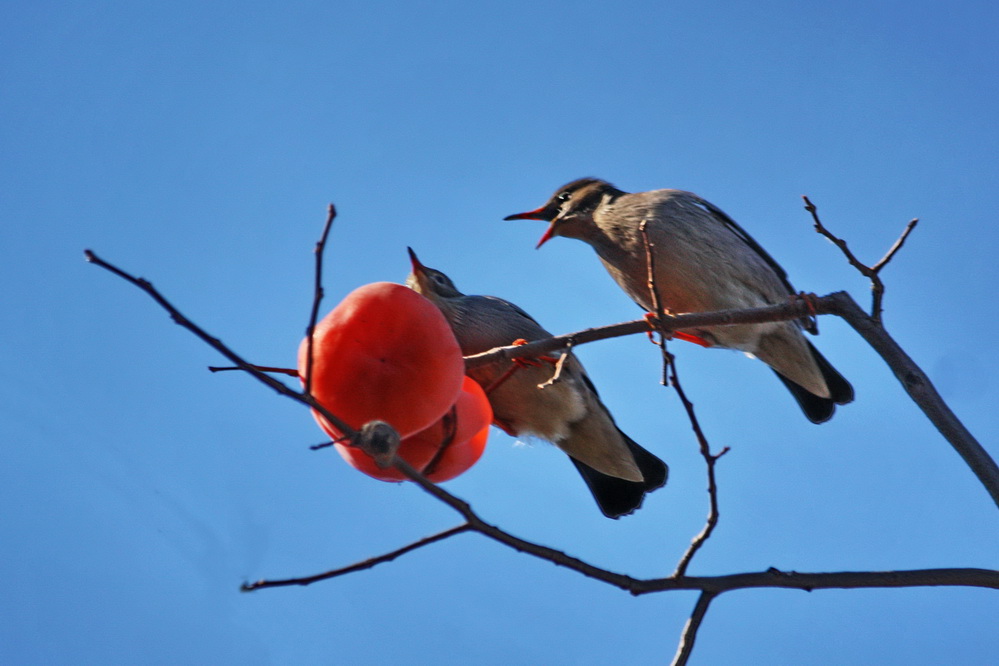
(750, 242)
(747, 239)
(501, 303)
(487, 322)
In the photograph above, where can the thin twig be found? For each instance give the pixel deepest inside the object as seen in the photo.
(218, 345)
(913, 379)
(366, 564)
(689, 636)
(838, 242)
(839, 303)
(670, 376)
(657, 305)
(710, 460)
(520, 545)
(557, 375)
(317, 294)
(291, 372)
(896, 246)
(770, 578)
(332, 442)
(870, 272)
(793, 309)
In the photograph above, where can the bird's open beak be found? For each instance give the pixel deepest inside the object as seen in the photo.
(543, 213)
(418, 268)
(547, 237)
(548, 213)
(418, 280)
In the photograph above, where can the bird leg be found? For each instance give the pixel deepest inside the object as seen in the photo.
(530, 362)
(502, 378)
(517, 364)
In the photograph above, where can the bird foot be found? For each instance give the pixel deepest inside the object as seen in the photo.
(809, 298)
(810, 302)
(531, 362)
(675, 335)
(518, 364)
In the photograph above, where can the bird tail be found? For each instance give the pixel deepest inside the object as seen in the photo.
(818, 409)
(620, 497)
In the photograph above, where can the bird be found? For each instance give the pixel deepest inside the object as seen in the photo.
(568, 412)
(703, 262)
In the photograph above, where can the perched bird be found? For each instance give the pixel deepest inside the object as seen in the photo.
(568, 413)
(703, 261)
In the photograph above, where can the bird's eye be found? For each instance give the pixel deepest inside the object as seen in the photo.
(564, 196)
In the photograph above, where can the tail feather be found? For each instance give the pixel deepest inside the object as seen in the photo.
(619, 497)
(840, 389)
(818, 409)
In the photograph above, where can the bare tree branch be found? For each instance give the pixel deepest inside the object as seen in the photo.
(920, 389)
(670, 376)
(710, 460)
(380, 441)
(871, 272)
(896, 246)
(794, 309)
(771, 578)
(658, 314)
(913, 379)
(291, 372)
(559, 364)
(359, 566)
(686, 646)
(841, 580)
(317, 294)
(520, 545)
(218, 345)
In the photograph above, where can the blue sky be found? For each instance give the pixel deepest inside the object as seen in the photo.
(198, 146)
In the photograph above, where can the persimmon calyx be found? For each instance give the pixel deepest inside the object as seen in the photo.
(380, 441)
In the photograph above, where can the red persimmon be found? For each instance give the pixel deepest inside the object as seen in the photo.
(385, 352)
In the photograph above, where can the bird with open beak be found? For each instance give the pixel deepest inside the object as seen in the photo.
(703, 262)
(567, 412)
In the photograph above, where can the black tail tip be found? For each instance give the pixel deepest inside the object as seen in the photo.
(619, 497)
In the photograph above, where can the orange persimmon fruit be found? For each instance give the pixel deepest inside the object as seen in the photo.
(385, 352)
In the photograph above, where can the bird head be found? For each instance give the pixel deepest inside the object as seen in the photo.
(569, 210)
(428, 281)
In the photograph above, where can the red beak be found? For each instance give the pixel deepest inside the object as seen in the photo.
(539, 214)
(547, 237)
(417, 266)
(548, 212)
